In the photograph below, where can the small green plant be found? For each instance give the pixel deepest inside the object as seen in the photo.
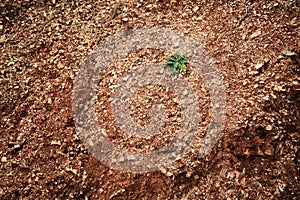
(177, 62)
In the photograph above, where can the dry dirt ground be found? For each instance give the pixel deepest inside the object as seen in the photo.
(255, 45)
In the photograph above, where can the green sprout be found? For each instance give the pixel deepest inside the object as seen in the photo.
(177, 62)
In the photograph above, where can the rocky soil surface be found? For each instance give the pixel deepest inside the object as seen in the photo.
(254, 44)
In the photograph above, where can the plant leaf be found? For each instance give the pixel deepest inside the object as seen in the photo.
(177, 62)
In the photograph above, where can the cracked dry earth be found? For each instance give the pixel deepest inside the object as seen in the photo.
(254, 44)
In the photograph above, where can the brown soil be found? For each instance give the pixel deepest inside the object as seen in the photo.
(255, 45)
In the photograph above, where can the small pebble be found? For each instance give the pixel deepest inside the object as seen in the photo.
(255, 34)
(4, 159)
(259, 65)
(289, 53)
(269, 127)
(196, 8)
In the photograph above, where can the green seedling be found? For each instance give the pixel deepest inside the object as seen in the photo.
(177, 62)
